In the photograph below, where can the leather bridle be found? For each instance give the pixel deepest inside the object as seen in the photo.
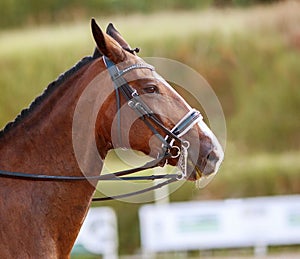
(153, 122)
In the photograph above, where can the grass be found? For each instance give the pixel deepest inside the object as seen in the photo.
(251, 57)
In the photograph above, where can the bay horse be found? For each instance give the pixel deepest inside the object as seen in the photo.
(41, 219)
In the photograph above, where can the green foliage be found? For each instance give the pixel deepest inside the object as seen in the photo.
(26, 12)
(256, 81)
(268, 97)
(21, 77)
(241, 2)
(19, 13)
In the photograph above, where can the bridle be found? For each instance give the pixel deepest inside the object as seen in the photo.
(169, 150)
(168, 147)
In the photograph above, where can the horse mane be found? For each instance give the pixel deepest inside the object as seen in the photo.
(50, 88)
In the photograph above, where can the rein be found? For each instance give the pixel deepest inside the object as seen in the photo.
(169, 150)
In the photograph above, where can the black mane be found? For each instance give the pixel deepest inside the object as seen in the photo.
(51, 87)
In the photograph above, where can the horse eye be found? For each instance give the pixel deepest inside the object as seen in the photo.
(150, 89)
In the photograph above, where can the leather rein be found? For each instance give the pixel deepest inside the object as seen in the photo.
(169, 150)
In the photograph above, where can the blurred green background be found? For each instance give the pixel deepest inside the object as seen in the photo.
(249, 52)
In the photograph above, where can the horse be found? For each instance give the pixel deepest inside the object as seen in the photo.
(41, 219)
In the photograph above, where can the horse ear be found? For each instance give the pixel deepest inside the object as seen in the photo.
(106, 45)
(112, 31)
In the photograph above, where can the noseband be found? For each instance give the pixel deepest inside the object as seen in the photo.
(168, 148)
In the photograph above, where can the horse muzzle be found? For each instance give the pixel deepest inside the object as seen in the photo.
(210, 156)
(199, 154)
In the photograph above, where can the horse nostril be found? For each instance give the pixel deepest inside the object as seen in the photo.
(211, 162)
(212, 157)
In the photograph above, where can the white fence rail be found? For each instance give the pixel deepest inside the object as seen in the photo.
(98, 234)
(251, 222)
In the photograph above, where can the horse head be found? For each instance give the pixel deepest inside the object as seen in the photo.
(146, 114)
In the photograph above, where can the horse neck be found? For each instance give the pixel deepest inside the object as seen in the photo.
(42, 143)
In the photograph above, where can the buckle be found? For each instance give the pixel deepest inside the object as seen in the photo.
(183, 160)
